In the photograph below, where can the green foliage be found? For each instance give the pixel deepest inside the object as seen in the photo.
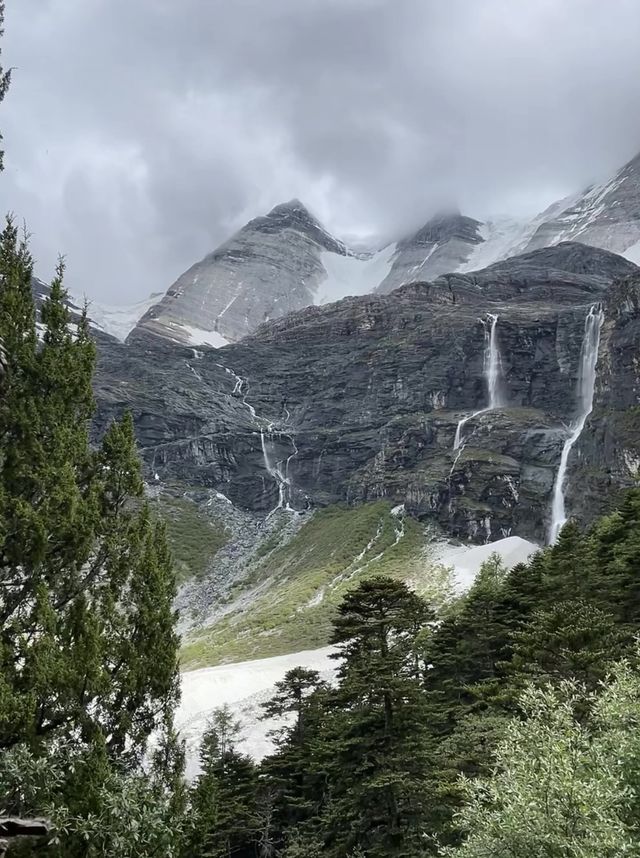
(88, 649)
(127, 814)
(350, 770)
(194, 538)
(562, 787)
(304, 580)
(489, 730)
(223, 813)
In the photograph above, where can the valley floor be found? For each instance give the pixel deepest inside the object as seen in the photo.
(246, 685)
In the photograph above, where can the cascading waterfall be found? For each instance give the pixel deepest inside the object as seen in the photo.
(586, 387)
(493, 364)
(493, 375)
(281, 478)
(273, 468)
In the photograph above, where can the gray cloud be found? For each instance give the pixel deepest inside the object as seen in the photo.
(139, 133)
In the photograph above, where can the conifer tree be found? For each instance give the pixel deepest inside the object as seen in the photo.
(296, 786)
(222, 813)
(88, 648)
(374, 752)
(571, 640)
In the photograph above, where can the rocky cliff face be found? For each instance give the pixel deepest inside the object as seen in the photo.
(608, 452)
(362, 399)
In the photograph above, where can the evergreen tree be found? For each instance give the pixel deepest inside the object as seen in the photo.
(88, 649)
(572, 640)
(296, 785)
(374, 751)
(464, 651)
(615, 544)
(223, 813)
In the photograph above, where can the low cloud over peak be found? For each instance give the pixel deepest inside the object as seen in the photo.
(139, 135)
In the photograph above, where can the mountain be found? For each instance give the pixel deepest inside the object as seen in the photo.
(360, 399)
(606, 215)
(382, 399)
(286, 260)
(442, 245)
(274, 265)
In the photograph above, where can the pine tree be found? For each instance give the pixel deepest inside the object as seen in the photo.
(88, 647)
(374, 750)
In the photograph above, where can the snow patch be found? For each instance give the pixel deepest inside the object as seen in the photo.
(352, 275)
(118, 321)
(243, 687)
(200, 337)
(503, 237)
(633, 253)
(466, 561)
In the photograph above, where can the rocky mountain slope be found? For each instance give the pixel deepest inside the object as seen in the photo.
(271, 267)
(286, 260)
(606, 215)
(361, 400)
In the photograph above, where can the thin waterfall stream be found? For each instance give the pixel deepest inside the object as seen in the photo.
(586, 387)
(493, 376)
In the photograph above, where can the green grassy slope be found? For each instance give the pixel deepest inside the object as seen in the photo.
(308, 577)
(193, 536)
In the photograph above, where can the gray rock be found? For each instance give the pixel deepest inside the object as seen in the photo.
(271, 267)
(442, 245)
(605, 215)
(360, 399)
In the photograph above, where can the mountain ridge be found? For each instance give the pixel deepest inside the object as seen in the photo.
(285, 260)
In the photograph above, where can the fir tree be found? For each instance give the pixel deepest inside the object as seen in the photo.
(571, 640)
(374, 749)
(88, 649)
(223, 813)
(296, 786)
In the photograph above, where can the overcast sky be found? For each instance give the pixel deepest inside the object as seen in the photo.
(140, 133)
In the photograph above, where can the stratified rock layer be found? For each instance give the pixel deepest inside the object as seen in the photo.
(271, 267)
(360, 399)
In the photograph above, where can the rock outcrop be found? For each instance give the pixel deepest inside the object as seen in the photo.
(361, 399)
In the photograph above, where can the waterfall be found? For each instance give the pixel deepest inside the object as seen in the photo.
(493, 363)
(492, 372)
(586, 387)
(281, 478)
(273, 468)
